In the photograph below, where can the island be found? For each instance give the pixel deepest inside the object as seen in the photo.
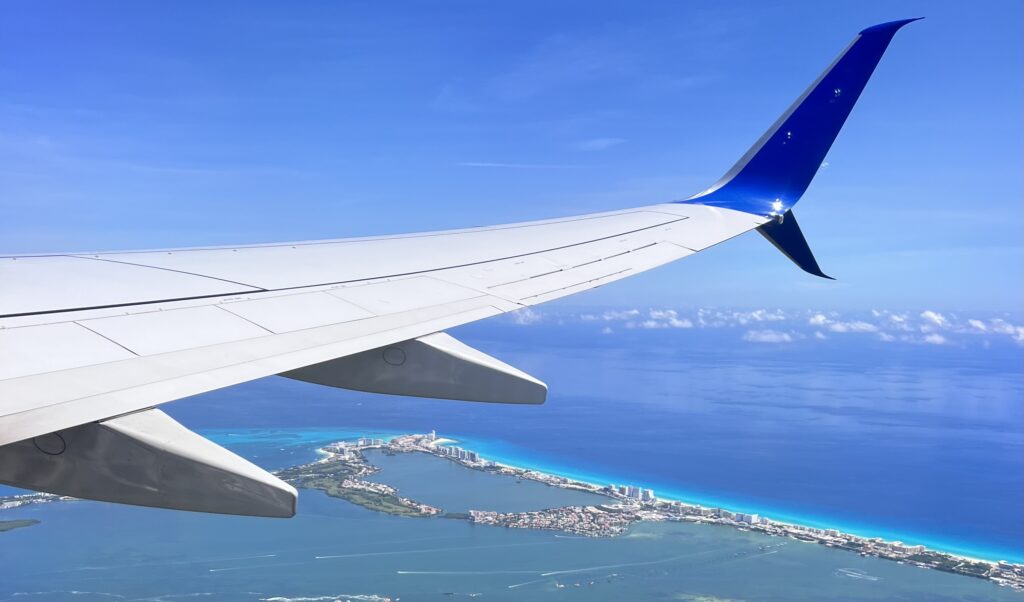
(340, 470)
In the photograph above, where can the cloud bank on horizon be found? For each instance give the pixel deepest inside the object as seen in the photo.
(775, 326)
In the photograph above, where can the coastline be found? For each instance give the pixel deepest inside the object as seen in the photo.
(314, 438)
(966, 551)
(643, 505)
(508, 454)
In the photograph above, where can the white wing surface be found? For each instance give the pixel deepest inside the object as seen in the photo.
(90, 343)
(88, 337)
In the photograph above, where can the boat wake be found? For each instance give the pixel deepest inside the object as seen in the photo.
(855, 574)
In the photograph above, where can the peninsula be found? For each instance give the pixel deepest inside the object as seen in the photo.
(343, 468)
(340, 471)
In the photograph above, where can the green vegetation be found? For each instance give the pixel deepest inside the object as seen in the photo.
(10, 525)
(329, 476)
(377, 502)
(335, 470)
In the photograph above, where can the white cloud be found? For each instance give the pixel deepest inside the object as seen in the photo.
(820, 319)
(667, 318)
(899, 322)
(758, 315)
(855, 326)
(917, 327)
(1004, 327)
(609, 316)
(934, 317)
(599, 144)
(607, 330)
(767, 336)
(978, 325)
(526, 316)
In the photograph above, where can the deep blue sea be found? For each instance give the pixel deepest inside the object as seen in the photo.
(923, 444)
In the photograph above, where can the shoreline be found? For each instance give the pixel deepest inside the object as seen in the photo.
(965, 550)
(1009, 573)
(782, 516)
(640, 504)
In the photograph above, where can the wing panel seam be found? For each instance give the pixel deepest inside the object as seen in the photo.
(340, 282)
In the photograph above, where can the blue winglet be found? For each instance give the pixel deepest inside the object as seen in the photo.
(772, 176)
(785, 234)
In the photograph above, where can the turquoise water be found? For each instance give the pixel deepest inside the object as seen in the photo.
(905, 442)
(274, 448)
(334, 550)
(510, 454)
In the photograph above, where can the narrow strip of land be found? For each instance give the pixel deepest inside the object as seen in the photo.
(342, 469)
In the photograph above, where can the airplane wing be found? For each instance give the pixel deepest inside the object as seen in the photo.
(91, 343)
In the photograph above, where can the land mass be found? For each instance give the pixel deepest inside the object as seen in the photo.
(10, 525)
(340, 474)
(340, 471)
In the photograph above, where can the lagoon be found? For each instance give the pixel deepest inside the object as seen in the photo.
(335, 549)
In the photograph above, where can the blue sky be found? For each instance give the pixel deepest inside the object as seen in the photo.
(140, 125)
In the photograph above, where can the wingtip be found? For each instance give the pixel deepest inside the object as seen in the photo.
(890, 27)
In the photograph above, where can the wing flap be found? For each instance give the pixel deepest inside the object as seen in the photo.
(403, 295)
(155, 332)
(53, 347)
(297, 311)
(568, 282)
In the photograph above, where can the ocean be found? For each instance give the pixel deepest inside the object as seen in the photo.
(920, 444)
(909, 442)
(333, 550)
